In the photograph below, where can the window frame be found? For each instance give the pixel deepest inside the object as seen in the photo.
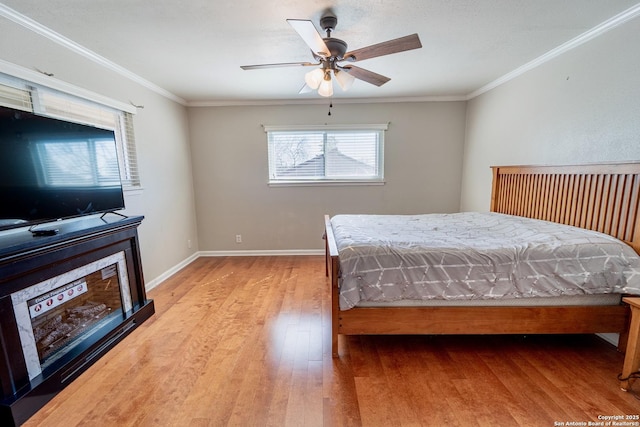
(380, 129)
(25, 95)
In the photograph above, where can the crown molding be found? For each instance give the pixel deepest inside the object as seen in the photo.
(67, 43)
(323, 101)
(40, 29)
(43, 80)
(596, 31)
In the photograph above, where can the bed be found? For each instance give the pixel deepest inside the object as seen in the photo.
(599, 197)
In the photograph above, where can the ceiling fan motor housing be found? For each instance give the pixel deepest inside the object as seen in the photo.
(337, 47)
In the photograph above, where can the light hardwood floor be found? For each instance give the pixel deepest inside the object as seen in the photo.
(243, 341)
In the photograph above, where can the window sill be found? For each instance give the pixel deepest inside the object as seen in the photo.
(132, 191)
(322, 183)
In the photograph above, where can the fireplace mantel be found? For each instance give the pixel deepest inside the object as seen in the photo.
(53, 264)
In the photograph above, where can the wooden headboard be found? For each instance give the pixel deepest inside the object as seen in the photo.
(600, 197)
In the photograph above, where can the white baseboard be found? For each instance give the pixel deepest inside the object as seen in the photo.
(173, 270)
(285, 252)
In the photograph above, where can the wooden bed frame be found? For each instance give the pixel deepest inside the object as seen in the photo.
(601, 197)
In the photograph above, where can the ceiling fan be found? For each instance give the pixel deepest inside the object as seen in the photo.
(330, 52)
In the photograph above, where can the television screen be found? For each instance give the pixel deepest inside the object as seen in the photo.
(53, 169)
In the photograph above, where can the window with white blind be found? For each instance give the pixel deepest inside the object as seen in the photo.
(339, 154)
(87, 162)
(22, 95)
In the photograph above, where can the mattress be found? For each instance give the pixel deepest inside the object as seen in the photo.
(475, 256)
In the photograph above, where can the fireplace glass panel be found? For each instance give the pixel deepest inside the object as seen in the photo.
(67, 315)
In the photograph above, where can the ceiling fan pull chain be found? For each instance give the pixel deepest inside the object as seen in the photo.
(330, 106)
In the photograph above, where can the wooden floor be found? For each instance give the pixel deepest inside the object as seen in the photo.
(244, 342)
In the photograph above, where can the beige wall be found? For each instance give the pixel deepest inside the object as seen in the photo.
(581, 107)
(162, 139)
(423, 160)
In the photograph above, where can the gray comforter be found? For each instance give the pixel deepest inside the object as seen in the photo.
(476, 255)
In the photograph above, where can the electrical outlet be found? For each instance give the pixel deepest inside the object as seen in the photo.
(189, 243)
(238, 238)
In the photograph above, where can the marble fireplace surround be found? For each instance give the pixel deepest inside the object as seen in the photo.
(23, 319)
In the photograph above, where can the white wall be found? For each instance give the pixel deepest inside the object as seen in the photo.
(581, 107)
(162, 138)
(423, 160)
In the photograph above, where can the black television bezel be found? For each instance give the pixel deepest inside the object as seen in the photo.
(32, 223)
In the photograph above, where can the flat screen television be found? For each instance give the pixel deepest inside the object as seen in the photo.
(54, 169)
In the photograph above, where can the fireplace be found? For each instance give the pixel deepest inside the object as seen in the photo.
(59, 315)
(65, 301)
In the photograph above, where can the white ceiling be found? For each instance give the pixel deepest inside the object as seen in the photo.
(194, 49)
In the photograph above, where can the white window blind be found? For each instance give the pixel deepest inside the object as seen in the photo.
(59, 105)
(15, 97)
(339, 155)
(87, 163)
(52, 103)
(127, 157)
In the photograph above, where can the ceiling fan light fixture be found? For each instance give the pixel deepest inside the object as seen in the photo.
(345, 80)
(326, 87)
(314, 78)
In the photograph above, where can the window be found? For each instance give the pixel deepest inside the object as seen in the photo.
(339, 154)
(91, 163)
(20, 94)
(56, 104)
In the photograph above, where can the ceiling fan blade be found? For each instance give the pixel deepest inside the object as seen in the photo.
(282, 64)
(366, 75)
(385, 48)
(305, 89)
(310, 35)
